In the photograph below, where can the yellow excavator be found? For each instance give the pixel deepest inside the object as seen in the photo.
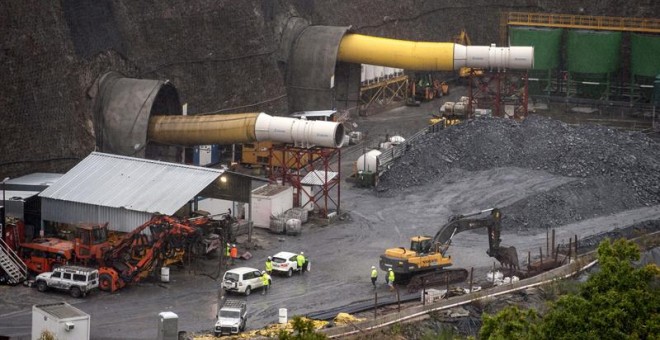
(426, 262)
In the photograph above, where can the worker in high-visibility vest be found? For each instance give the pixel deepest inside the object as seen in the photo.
(300, 260)
(390, 278)
(265, 279)
(374, 275)
(233, 252)
(227, 254)
(269, 265)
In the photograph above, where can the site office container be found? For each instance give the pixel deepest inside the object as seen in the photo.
(270, 200)
(61, 320)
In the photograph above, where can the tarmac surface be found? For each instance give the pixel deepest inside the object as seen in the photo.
(341, 253)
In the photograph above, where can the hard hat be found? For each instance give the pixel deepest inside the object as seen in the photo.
(301, 253)
(263, 272)
(233, 245)
(270, 258)
(373, 267)
(390, 269)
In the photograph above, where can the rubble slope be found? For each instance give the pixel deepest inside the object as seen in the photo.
(612, 170)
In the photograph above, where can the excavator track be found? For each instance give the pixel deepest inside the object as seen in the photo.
(435, 278)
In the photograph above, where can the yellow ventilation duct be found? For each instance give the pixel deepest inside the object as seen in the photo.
(430, 56)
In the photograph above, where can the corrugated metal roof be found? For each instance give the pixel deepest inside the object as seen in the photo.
(131, 183)
(318, 177)
(62, 310)
(37, 178)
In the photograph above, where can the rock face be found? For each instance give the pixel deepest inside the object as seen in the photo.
(612, 170)
(221, 55)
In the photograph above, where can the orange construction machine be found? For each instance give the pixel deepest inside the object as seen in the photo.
(161, 241)
(139, 253)
(45, 254)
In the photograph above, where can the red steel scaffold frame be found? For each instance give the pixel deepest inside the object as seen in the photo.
(496, 89)
(311, 172)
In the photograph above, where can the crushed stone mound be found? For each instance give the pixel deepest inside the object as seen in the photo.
(613, 170)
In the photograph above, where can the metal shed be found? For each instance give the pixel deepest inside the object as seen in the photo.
(123, 191)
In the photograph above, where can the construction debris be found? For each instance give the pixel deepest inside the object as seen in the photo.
(498, 279)
(343, 319)
(270, 331)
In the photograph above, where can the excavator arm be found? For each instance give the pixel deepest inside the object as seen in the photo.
(460, 223)
(507, 256)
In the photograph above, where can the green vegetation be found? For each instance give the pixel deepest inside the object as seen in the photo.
(617, 302)
(510, 323)
(303, 330)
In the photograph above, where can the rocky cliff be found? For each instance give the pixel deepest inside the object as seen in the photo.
(219, 54)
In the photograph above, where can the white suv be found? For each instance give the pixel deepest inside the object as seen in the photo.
(78, 281)
(242, 280)
(232, 317)
(287, 263)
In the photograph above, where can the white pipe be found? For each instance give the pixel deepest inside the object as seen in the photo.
(514, 57)
(299, 132)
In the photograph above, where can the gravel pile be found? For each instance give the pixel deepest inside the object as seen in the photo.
(613, 170)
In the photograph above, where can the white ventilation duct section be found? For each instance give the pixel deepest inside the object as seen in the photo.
(514, 57)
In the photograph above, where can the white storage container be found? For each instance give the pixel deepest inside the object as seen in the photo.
(270, 200)
(61, 319)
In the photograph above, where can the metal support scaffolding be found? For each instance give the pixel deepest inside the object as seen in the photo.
(506, 93)
(314, 173)
(383, 93)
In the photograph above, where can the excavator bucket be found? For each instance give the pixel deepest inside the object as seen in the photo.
(506, 256)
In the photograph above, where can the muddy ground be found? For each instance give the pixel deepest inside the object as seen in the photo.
(343, 252)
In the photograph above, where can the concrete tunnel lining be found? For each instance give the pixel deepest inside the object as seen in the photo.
(312, 73)
(122, 110)
(311, 67)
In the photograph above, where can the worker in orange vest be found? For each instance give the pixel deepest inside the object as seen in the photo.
(233, 253)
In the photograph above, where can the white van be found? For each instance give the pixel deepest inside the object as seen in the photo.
(242, 280)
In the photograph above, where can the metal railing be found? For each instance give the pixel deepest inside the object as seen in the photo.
(387, 157)
(11, 263)
(647, 25)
